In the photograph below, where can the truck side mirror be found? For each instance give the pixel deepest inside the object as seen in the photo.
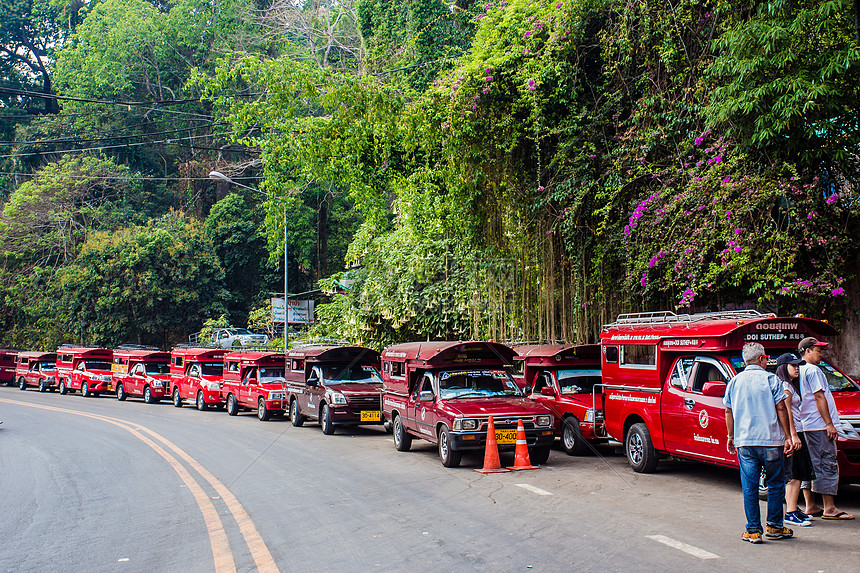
(253, 382)
(714, 389)
(547, 391)
(425, 396)
(313, 382)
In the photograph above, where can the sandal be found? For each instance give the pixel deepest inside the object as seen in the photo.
(841, 516)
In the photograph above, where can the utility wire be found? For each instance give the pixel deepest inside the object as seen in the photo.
(102, 147)
(125, 136)
(125, 179)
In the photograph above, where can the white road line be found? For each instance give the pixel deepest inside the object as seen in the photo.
(689, 549)
(533, 489)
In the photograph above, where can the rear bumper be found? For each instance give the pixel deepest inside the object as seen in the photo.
(848, 456)
(535, 438)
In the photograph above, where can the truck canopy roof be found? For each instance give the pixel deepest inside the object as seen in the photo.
(559, 353)
(256, 356)
(198, 352)
(36, 355)
(314, 354)
(139, 355)
(439, 353)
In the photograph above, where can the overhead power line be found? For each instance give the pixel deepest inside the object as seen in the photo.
(126, 179)
(41, 95)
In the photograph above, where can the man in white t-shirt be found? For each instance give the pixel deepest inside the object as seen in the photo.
(819, 417)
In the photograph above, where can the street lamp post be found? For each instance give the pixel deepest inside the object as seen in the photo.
(218, 176)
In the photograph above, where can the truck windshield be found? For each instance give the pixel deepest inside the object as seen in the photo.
(47, 366)
(239, 331)
(476, 384)
(578, 381)
(269, 375)
(838, 381)
(92, 365)
(212, 369)
(355, 374)
(157, 367)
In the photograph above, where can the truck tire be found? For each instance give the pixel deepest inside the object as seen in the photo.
(640, 449)
(85, 390)
(201, 402)
(177, 399)
(571, 438)
(43, 386)
(262, 412)
(539, 455)
(22, 384)
(120, 392)
(62, 386)
(297, 419)
(147, 395)
(325, 420)
(232, 406)
(402, 438)
(450, 458)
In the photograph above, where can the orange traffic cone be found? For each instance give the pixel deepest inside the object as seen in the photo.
(492, 465)
(522, 461)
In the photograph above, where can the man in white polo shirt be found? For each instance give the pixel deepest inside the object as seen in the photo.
(819, 417)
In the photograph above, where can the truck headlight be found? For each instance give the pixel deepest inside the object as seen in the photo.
(158, 383)
(337, 398)
(276, 395)
(213, 385)
(543, 420)
(466, 424)
(589, 415)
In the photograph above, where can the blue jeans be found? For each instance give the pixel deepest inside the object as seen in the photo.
(752, 459)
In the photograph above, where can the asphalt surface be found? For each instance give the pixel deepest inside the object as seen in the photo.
(98, 485)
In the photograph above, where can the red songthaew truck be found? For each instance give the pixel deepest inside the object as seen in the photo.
(37, 369)
(86, 369)
(562, 378)
(195, 374)
(445, 392)
(337, 385)
(664, 377)
(254, 380)
(7, 366)
(141, 371)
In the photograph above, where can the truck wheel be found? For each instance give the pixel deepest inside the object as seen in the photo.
(120, 392)
(62, 387)
(262, 412)
(177, 399)
(85, 390)
(43, 387)
(201, 402)
(325, 421)
(402, 439)
(640, 450)
(297, 419)
(232, 406)
(22, 384)
(571, 438)
(450, 458)
(539, 455)
(147, 395)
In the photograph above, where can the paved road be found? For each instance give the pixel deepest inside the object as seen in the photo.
(98, 485)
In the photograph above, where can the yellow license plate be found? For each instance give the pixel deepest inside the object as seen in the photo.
(506, 436)
(109, 387)
(370, 416)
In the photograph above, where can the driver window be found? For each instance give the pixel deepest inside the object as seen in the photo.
(194, 371)
(425, 386)
(543, 380)
(251, 373)
(80, 366)
(681, 372)
(706, 372)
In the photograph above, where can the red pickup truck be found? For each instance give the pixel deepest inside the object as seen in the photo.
(195, 374)
(562, 379)
(141, 371)
(336, 385)
(37, 369)
(445, 392)
(254, 380)
(7, 366)
(86, 369)
(664, 377)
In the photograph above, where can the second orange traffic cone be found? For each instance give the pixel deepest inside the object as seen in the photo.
(522, 461)
(492, 465)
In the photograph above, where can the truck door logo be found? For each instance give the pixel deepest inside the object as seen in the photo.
(703, 418)
(423, 414)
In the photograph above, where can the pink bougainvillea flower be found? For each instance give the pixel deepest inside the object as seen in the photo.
(727, 180)
(738, 249)
(531, 85)
(540, 187)
(739, 231)
(832, 199)
(837, 291)
(527, 34)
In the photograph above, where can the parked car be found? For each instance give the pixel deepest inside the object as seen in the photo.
(254, 380)
(336, 385)
(195, 374)
(7, 366)
(142, 372)
(86, 369)
(230, 338)
(37, 369)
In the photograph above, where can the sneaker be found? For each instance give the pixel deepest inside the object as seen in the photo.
(774, 532)
(804, 515)
(752, 537)
(795, 518)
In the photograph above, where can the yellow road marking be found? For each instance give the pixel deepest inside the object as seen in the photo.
(221, 553)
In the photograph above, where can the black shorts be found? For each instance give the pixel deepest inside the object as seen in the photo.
(799, 465)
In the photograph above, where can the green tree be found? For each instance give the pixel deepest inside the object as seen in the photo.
(149, 284)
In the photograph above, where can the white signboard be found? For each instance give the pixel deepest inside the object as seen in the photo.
(301, 311)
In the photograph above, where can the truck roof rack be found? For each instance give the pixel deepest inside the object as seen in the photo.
(78, 345)
(303, 342)
(138, 347)
(668, 317)
(199, 345)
